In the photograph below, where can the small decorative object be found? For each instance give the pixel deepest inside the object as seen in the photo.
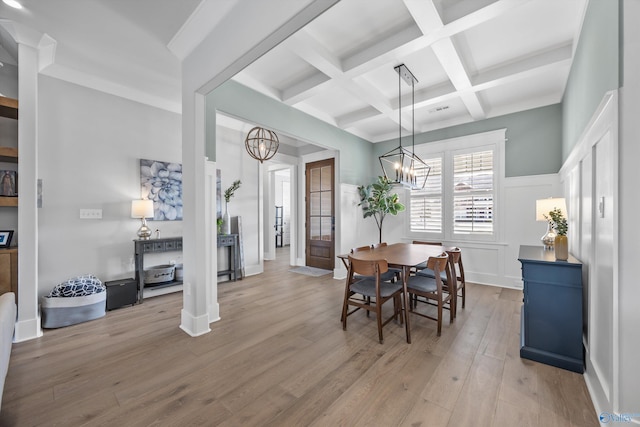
(219, 223)
(377, 201)
(261, 144)
(543, 207)
(9, 183)
(561, 242)
(5, 238)
(142, 209)
(228, 194)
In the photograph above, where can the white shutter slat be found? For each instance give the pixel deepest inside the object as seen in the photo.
(473, 188)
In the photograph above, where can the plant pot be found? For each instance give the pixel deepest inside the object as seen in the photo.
(562, 248)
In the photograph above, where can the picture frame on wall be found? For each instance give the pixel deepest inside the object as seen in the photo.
(162, 182)
(5, 238)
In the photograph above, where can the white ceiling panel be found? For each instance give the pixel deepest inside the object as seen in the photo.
(355, 24)
(534, 27)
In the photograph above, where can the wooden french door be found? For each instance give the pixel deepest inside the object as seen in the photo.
(320, 218)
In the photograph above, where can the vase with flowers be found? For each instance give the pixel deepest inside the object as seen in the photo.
(559, 223)
(228, 194)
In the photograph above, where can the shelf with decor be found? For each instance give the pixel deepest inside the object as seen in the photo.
(8, 109)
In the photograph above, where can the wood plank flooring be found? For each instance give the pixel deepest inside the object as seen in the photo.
(279, 357)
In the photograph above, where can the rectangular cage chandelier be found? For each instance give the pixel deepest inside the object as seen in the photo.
(401, 166)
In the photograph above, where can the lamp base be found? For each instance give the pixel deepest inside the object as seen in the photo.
(549, 238)
(144, 232)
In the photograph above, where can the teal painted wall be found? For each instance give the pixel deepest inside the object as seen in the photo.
(534, 139)
(242, 102)
(595, 69)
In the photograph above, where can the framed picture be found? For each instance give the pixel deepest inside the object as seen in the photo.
(8, 183)
(5, 238)
(162, 183)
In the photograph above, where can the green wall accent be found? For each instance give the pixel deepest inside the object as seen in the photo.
(244, 103)
(595, 69)
(534, 139)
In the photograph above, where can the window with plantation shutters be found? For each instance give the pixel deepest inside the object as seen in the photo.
(473, 192)
(426, 204)
(461, 198)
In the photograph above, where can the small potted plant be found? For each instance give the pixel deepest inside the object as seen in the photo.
(559, 223)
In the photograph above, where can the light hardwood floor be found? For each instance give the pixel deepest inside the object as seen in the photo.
(279, 357)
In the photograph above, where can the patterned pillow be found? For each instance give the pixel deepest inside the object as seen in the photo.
(78, 287)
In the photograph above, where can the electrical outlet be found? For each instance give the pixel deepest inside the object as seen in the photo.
(90, 213)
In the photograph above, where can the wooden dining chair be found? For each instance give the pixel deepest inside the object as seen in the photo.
(423, 265)
(457, 272)
(374, 291)
(395, 272)
(431, 288)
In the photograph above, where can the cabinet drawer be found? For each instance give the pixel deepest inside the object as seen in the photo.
(225, 240)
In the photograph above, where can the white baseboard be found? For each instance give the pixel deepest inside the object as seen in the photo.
(27, 330)
(194, 325)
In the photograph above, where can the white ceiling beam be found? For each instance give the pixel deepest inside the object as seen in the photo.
(377, 53)
(309, 49)
(357, 117)
(428, 19)
(306, 88)
(524, 67)
(252, 83)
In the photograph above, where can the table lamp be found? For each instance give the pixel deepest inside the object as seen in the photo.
(142, 209)
(543, 207)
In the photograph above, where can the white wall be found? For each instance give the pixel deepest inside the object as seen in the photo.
(591, 186)
(90, 146)
(234, 163)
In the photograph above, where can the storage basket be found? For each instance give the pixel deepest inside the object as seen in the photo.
(159, 274)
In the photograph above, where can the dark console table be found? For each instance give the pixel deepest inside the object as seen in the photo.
(551, 318)
(142, 247)
(230, 241)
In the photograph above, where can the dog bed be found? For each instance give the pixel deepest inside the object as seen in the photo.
(77, 300)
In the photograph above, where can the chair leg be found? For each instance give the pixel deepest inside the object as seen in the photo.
(379, 319)
(452, 308)
(368, 303)
(464, 291)
(345, 307)
(440, 315)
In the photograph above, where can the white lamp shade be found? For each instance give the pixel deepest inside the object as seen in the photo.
(142, 209)
(544, 206)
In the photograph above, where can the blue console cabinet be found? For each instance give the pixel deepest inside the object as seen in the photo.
(551, 317)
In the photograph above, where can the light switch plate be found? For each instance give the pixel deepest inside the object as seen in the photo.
(90, 213)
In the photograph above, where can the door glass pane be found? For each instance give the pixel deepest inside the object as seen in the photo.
(314, 232)
(314, 203)
(326, 228)
(326, 203)
(326, 178)
(315, 180)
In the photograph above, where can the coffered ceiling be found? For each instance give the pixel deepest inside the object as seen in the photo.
(473, 59)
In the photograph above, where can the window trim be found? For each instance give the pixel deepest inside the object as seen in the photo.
(447, 148)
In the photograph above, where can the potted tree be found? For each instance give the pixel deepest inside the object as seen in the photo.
(377, 201)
